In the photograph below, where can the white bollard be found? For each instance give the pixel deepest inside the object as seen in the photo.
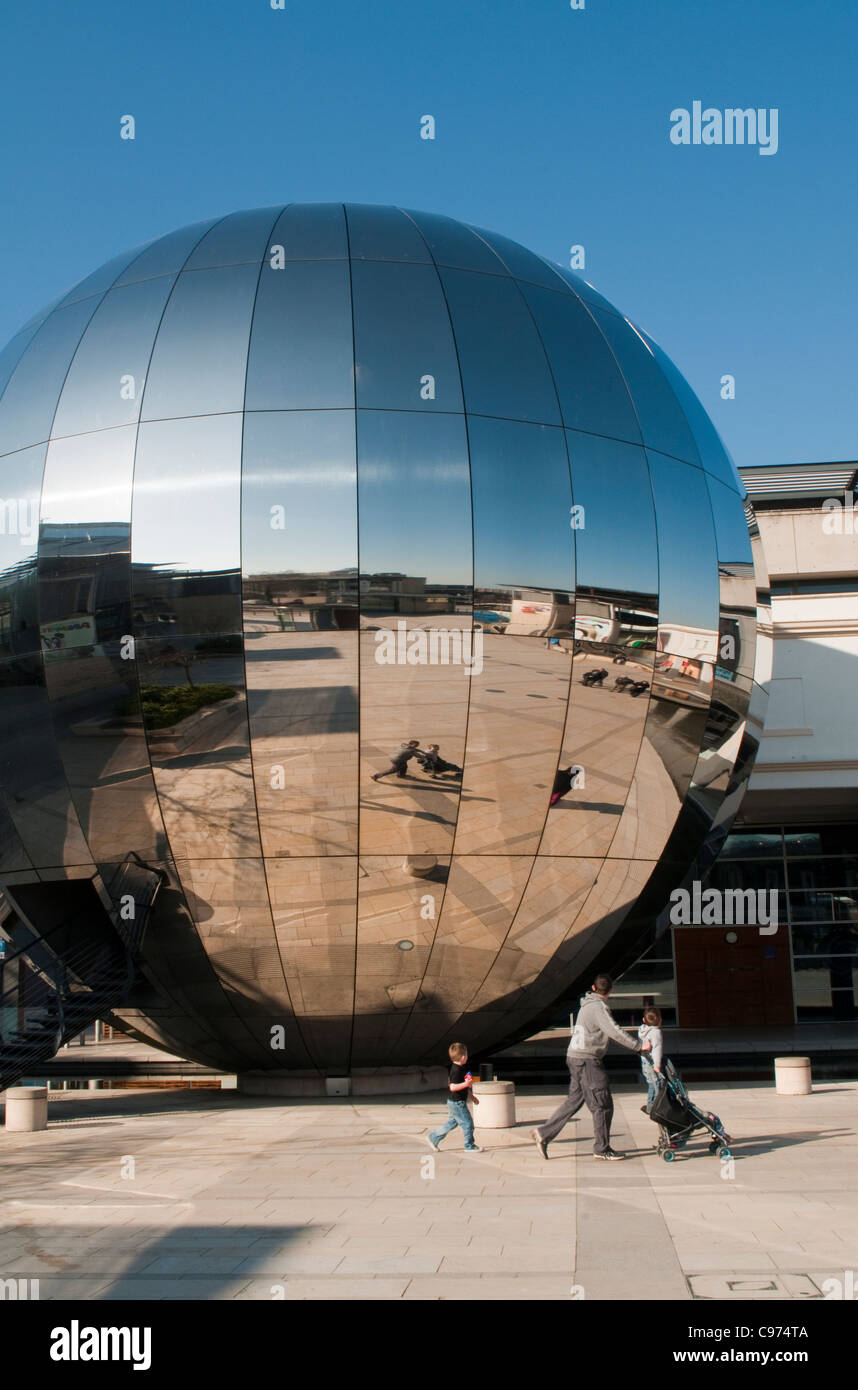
(495, 1108)
(27, 1108)
(792, 1076)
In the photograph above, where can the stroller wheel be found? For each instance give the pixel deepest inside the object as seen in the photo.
(667, 1155)
(714, 1146)
(724, 1152)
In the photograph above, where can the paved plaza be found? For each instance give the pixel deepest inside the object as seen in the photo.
(207, 1194)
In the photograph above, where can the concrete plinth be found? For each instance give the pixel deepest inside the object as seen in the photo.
(26, 1108)
(792, 1076)
(378, 1081)
(495, 1108)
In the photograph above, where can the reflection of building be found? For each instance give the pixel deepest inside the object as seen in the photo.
(284, 487)
(797, 832)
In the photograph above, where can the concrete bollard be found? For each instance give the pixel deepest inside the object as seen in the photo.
(792, 1076)
(496, 1108)
(27, 1108)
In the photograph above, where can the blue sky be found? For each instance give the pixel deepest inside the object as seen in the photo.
(552, 127)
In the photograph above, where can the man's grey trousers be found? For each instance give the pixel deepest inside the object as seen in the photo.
(588, 1082)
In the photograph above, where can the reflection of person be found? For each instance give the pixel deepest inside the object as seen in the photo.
(564, 781)
(650, 1031)
(594, 1029)
(433, 762)
(399, 760)
(461, 1081)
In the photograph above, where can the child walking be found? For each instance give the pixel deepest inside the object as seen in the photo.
(650, 1031)
(460, 1084)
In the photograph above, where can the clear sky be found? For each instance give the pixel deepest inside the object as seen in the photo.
(552, 126)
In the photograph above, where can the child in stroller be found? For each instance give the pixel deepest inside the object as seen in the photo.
(433, 763)
(678, 1117)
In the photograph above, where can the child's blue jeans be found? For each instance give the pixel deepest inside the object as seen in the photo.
(650, 1076)
(458, 1114)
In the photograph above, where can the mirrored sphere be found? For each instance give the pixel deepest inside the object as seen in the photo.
(383, 588)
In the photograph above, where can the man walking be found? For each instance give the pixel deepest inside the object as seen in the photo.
(399, 761)
(594, 1029)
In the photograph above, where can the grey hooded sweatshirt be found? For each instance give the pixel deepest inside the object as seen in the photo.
(594, 1028)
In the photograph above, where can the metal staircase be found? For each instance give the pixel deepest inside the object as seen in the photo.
(55, 983)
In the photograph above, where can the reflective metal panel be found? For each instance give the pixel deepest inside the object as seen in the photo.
(301, 345)
(713, 455)
(106, 378)
(515, 726)
(200, 358)
(86, 633)
(503, 365)
(241, 237)
(311, 232)
(523, 536)
(314, 903)
(738, 612)
(414, 502)
(299, 557)
(406, 806)
(580, 287)
(454, 244)
(593, 394)
(27, 405)
(101, 280)
(405, 357)
(555, 894)
(167, 255)
(383, 234)
(519, 262)
(662, 421)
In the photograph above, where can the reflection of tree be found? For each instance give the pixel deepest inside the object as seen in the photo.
(169, 658)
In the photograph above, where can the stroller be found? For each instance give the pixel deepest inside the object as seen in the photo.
(678, 1117)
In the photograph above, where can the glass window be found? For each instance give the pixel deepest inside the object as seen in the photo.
(522, 502)
(822, 839)
(312, 232)
(841, 872)
(763, 874)
(753, 844)
(107, 375)
(29, 401)
(503, 365)
(238, 238)
(200, 358)
(301, 343)
(452, 243)
(167, 255)
(383, 234)
(404, 351)
(593, 394)
(416, 551)
(663, 424)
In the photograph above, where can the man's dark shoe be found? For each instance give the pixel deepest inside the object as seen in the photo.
(610, 1156)
(540, 1142)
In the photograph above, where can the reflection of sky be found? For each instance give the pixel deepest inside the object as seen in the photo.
(415, 498)
(302, 462)
(186, 493)
(616, 548)
(688, 571)
(522, 501)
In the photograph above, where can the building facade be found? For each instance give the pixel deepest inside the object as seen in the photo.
(797, 831)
